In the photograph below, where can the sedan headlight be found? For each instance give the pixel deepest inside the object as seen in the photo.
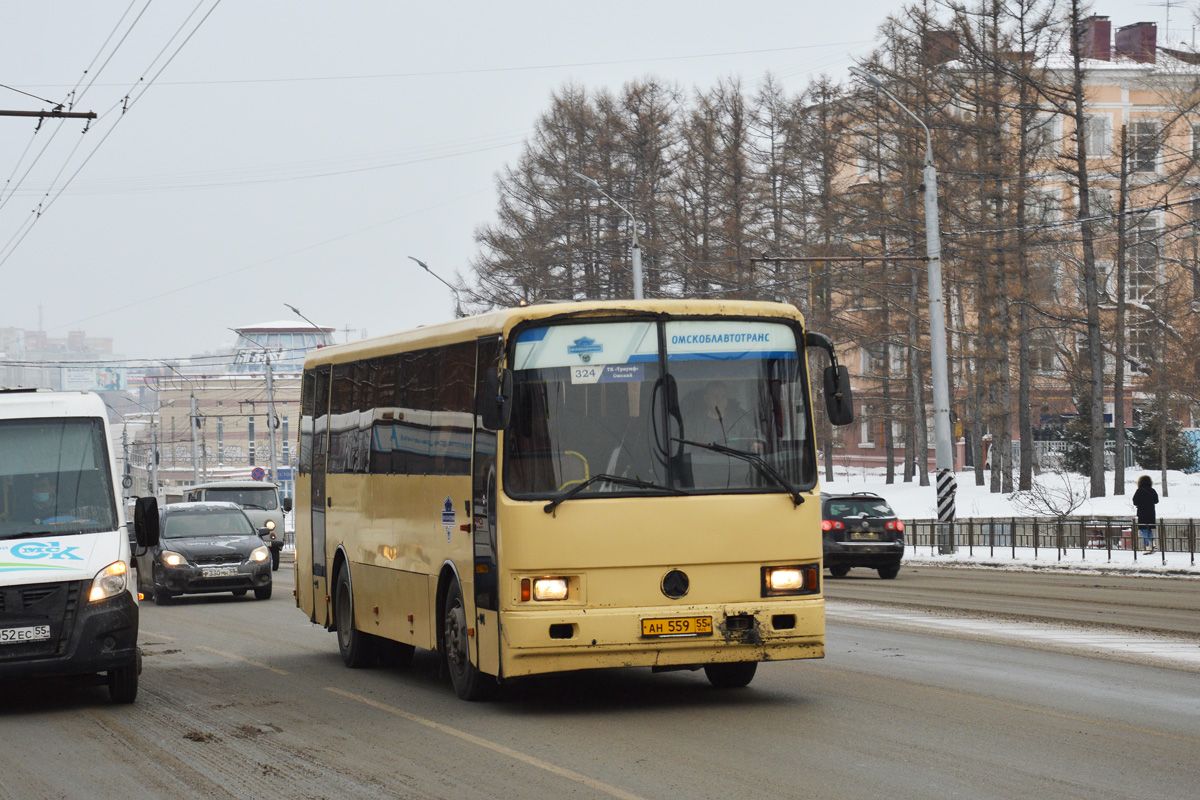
(109, 582)
(172, 559)
(260, 554)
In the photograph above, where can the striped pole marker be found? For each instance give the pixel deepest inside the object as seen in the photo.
(947, 485)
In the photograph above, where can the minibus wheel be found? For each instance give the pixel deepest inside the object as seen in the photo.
(731, 676)
(469, 683)
(358, 649)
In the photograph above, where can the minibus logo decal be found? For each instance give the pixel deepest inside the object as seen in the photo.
(51, 551)
(448, 516)
(675, 584)
(583, 347)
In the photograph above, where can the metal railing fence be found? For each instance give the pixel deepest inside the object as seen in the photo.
(1096, 536)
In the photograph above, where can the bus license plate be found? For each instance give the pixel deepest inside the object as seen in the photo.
(218, 572)
(676, 626)
(34, 633)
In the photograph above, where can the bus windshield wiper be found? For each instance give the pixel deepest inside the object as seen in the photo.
(758, 461)
(617, 479)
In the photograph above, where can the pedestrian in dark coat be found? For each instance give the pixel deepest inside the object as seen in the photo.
(1144, 499)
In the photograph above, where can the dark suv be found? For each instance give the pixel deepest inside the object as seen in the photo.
(861, 530)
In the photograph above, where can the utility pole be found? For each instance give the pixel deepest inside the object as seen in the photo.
(195, 444)
(271, 422)
(153, 459)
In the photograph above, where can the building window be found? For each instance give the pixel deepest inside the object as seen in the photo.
(1041, 351)
(1097, 131)
(866, 426)
(1140, 337)
(1143, 260)
(1045, 135)
(1043, 206)
(872, 361)
(1144, 145)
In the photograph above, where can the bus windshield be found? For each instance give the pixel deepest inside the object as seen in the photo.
(55, 477)
(700, 405)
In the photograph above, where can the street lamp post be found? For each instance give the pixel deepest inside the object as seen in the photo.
(943, 450)
(636, 255)
(458, 312)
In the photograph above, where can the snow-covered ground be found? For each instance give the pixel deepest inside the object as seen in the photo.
(1181, 500)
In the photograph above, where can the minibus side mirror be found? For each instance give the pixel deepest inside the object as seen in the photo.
(839, 400)
(287, 504)
(495, 404)
(145, 522)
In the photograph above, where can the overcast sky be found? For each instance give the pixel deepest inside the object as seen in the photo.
(297, 152)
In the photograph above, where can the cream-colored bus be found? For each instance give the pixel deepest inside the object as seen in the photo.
(568, 486)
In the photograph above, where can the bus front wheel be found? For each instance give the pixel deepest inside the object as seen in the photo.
(358, 649)
(469, 683)
(731, 676)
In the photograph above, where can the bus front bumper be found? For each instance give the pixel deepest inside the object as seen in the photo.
(551, 640)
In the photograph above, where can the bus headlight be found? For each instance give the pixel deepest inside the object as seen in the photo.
(172, 559)
(260, 554)
(109, 582)
(544, 589)
(796, 579)
(270, 525)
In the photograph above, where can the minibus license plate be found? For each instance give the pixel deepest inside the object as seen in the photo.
(218, 572)
(34, 633)
(676, 626)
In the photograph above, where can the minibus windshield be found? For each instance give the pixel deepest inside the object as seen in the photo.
(55, 477)
(702, 405)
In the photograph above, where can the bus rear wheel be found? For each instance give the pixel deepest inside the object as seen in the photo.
(469, 683)
(357, 649)
(731, 676)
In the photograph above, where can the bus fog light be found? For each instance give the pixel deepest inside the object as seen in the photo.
(550, 589)
(785, 579)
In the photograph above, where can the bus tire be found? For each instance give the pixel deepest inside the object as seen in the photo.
(731, 676)
(469, 683)
(357, 649)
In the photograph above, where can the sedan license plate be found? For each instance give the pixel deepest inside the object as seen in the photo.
(217, 572)
(864, 536)
(676, 626)
(33, 633)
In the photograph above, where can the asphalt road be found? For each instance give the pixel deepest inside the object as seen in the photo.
(245, 699)
(1158, 604)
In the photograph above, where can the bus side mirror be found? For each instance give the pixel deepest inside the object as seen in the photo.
(287, 505)
(145, 522)
(839, 400)
(495, 404)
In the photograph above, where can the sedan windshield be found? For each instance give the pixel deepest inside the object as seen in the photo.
(697, 405)
(222, 522)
